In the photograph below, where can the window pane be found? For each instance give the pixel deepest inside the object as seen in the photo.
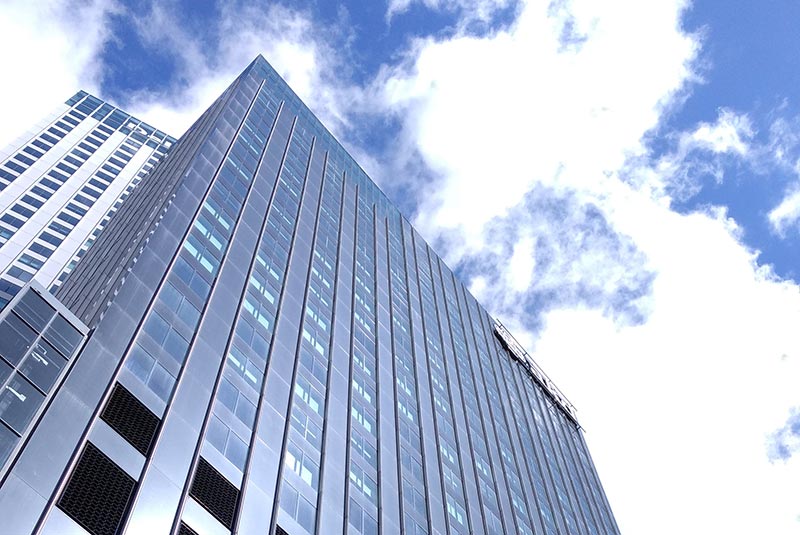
(217, 434)
(34, 309)
(237, 451)
(15, 339)
(188, 314)
(18, 402)
(170, 297)
(43, 365)
(161, 382)
(355, 514)
(246, 411)
(7, 442)
(227, 394)
(176, 346)
(157, 328)
(5, 371)
(306, 514)
(370, 525)
(140, 363)
(289, 499)
(63, 336)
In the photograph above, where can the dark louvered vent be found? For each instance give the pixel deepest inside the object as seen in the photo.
(130, 418)
(215, 493)
(186, 530)
(98, 493)
(280, 531)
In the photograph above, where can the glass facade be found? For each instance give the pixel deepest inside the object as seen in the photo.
(61, 183)
(38, 340)
(275, 349)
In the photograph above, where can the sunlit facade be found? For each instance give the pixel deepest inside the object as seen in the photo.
(272, 348)
(62, 181)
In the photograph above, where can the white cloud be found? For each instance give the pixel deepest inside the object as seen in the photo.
(679, 407)
(783, 152)
(729, 134)
(679, 349)
(516, 108)
(522, 264)
(480, 10)
(50, 50)
(786, 213)
(301, 52)
(703, 153)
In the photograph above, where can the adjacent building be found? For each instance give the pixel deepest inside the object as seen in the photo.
(61, 182)
(263, 344)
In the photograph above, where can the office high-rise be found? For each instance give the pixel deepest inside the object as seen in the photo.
(61, 182)
(263, 344)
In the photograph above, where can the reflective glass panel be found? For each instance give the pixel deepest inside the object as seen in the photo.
(7, 442)
(43, 365)
(63, 336)
(34, 310)
(18, 403)
(15, 339)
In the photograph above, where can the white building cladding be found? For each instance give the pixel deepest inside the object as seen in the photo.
(61, 182)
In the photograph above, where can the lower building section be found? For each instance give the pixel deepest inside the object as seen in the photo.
(123, 460)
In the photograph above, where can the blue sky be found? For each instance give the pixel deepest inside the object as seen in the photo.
(619, 182)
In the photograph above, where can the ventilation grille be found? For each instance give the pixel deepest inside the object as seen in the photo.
(130, 418)
(186, 530)
(215, 493)
(280, 531)
(98, 493)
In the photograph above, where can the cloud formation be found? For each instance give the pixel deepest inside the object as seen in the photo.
(470, 10)
(787, 213)
(42, 58)
(700, 154)
(305, 54)
(785, 442)
(529, 150)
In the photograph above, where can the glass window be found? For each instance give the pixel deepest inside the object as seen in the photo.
(306, 428)
(7, 442)
(170, 296)
(63, 336)
(236, 452)
(217, 433)
(298, 462)
(188, 313)
(157, 328)
(370, 525)
(15, 339)
(304, 391)
(288, 498)
(5, 371)
(249, 370)
(227, 394)
(355, 514)
(183, 270)
(176, 346)
(199, 285)
(161, 382)
(140, 363)
(246, 411)
(35, 310)
(306, 514)
(19, 400)
(43, 365)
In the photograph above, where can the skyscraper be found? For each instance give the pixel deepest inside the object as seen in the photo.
(270, 347)
(62, 181)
